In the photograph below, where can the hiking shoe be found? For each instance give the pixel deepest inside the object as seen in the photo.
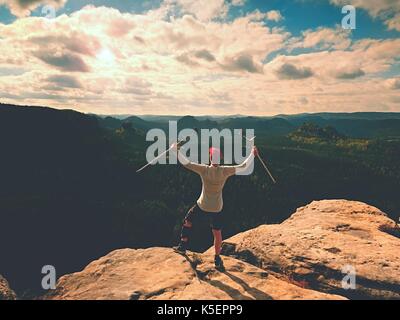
(219, 264)
(181, 248)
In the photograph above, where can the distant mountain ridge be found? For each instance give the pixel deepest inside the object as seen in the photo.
(355, 125)
(325, 115)
(345, 115)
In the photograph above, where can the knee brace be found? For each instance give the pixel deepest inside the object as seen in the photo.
(185, 231)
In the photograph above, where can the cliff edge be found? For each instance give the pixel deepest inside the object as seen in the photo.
(305, 257)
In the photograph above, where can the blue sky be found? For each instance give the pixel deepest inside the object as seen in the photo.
(201, 56)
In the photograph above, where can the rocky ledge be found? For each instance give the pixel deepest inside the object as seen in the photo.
(305, 257)
(160, 273)
(322, 242)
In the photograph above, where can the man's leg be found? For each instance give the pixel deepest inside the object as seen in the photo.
(186, 230)
(217, 241)
(216, 227)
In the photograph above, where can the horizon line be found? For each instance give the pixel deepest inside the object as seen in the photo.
(197, 115)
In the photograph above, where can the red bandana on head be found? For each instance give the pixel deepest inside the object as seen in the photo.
(216, 154)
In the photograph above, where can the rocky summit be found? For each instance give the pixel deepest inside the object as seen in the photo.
(322, 242)
(308, 256)
(160, 273)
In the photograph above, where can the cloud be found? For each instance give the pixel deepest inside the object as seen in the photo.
(323, 38)
(136, 86)
(23, 8)
(288, 71)
(236, 45)
(394, 22)
(78, 42)
(65, 61)
(205, 55)
(393, 83)
(257, 15)
(162, 60)
(303, 100)
(11, 71)
(204, 10)
(274, 15)
(64, 81)
(120, 27)
(347, 75)
(186, 58)
(242, 63)
(365, 57)
(196, 58)
(238, 3)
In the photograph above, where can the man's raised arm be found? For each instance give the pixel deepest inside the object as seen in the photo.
(195, 167)
(232, 170)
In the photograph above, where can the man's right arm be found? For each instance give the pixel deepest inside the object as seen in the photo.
(195, 167)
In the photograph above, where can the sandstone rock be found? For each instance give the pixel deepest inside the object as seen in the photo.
(5, 292)
(160, 273)
(319, 240)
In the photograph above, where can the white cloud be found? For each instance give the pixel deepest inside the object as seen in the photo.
(204, 10)
(144, 46)
(257, 15)
(393, 83)
(155, 64)
(323, 38)
(365, 57)
(289, 71)
(23, 8)
(394, 22)
(274, 15)
(238, 3)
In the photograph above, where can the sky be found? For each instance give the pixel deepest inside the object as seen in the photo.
(200, 57)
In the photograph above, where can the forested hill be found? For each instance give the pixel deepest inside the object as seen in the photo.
(363, 125)
(69, 191)
(63, 178)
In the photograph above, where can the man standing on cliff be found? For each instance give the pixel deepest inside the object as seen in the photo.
(210, 202)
